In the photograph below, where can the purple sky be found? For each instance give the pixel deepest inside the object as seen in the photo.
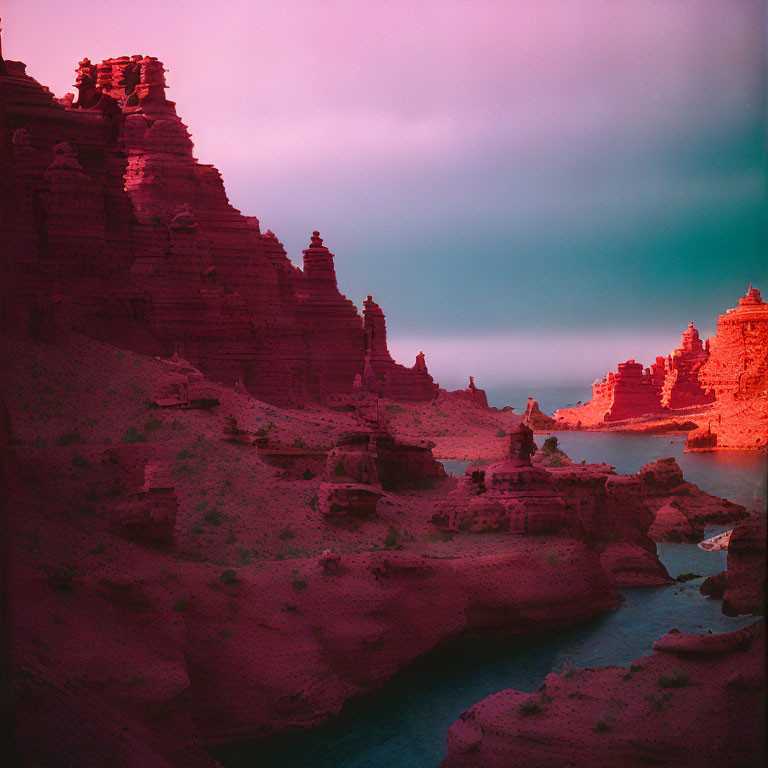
(494, 173)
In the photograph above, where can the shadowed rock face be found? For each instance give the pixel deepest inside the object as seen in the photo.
(695, 695)
(742, 585)
(114, 229)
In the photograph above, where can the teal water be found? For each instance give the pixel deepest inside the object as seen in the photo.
(403, 725)
(739, 476)
(549, 398)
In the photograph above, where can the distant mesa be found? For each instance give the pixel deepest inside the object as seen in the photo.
(720, 386)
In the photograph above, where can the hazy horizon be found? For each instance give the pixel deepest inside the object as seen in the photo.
(530, 192)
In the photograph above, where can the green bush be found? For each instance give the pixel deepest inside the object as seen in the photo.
(70, 438)
(531, 708)
(184, 454)
(688, 576)
(181, 605)
(395, 408)
(214, 516)
(501, 433)
(229, 576)
(392, 538)
(550, 446)
(286, 534)
(132, 435)
(78, 460)
(602, 725)
(678, 680)
(153, 424)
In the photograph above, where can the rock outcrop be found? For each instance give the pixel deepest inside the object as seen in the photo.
(535, 419)
(682, 387)
(737, 373)
(472, 394)
(694, 695)
(112, 228)
(682, 509)
(742, 585)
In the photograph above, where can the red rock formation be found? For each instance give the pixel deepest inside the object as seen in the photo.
(114, 229)
(535, 419)
(681, 387)
(737, 373)
(381, 374)
(629, 393)
(694, 695)
(742, 585)
(681, 509)
(149, 513)
(472, 394)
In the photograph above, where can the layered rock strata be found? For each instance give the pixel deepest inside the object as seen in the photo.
(737, 374)
(111, 227)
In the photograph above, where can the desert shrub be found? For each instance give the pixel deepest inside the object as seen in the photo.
(678, 680)
(297, 582)
(229, 576)
(442, 536)
(531, 708)
(265, 429)
(78, 460)
(308, 474)
(395, 408)
(313, 501)
(132, 435)
(286, 533)
(602, 725)
(62, 576)
(339, 470)
(155, 220)
(555, 461)
(688, 577)
(214, 516)
(299, 443)
(549, 446)
(500, 433)
(184, 453)
(70, 437)
(153, 424)
(180, 605)
(392, 538)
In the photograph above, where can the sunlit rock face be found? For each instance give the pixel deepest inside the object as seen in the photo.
(113, 228)
(737, 373)
(681, 387)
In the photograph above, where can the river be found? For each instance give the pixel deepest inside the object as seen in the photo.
(403, 725)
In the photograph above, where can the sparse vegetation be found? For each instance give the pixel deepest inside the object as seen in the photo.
(531, 707)
(297, 582)
(70, 437)
(500, 433)
(286, 534)
(78, 460)
(395, 408)
(602, 725)
(550, 446)
(132, 435)
(677, 680)
(181, 605)
(153, 424)
(308, 474)
(392, 539)
(230, 576)
(683, 577)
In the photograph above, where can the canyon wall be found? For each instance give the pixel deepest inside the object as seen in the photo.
(111, 227)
